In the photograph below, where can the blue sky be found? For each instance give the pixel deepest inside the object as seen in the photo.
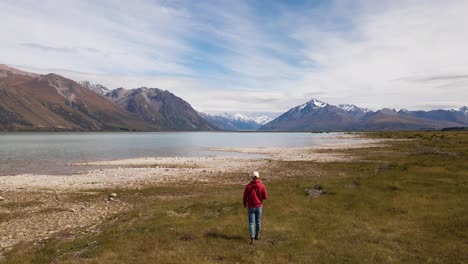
(251, 56)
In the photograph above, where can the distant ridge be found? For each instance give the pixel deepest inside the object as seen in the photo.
(455, 129)
(316, 115)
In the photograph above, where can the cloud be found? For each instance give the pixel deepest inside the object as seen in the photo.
(387, 42)
(437, 78)
(47, 48)
(251, 55)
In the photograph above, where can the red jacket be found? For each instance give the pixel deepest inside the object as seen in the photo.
(254, 193)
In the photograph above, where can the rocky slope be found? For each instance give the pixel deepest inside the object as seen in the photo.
(160, 108)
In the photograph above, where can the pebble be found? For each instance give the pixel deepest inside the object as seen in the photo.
(1, 198)
(113, 195)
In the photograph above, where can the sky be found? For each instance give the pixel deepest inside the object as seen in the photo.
(251, 55)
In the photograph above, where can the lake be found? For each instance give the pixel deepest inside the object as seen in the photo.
(52, 153)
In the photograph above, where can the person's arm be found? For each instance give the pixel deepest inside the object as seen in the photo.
(264, 193)
(245, 197)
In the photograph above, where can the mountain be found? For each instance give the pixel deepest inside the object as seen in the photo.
(237, 121)
(317, 115)
(97, 88)
(313, 115)
(160, 108)
(51, 102)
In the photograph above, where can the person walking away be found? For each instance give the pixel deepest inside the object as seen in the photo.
(254, 194)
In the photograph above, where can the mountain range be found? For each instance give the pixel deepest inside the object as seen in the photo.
(316, 115)
(34, 102)
(50, 102)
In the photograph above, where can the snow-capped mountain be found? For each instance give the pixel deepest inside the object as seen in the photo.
(312, 104)
(464, 110)
(237, 121)
(262, 119)
(97, 88)
(317, 115)
(354, 110)
(313, 115)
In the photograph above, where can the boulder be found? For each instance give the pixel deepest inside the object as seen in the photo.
(315, 191)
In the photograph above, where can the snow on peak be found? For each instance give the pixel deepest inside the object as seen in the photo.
(314, 103)
(352, 108)
(97, 88)
(240, 117)
(262, 120)
(464, 110)
(348, 107)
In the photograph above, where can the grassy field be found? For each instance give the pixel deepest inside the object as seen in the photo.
(404, 203)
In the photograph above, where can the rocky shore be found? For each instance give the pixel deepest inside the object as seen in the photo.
(35, 207)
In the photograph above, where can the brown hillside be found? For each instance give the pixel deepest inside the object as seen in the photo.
(51, 102)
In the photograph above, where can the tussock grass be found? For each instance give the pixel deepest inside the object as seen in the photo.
(397, 205)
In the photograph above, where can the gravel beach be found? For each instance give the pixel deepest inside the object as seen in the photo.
(34, 207)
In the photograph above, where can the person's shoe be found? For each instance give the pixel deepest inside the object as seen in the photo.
(257, 237)
(251, 241)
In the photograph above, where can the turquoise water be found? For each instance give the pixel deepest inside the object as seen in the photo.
(53, 152)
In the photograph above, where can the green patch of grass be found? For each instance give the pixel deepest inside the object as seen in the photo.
(397, 205)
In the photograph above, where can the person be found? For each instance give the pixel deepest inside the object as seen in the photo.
(254, 194)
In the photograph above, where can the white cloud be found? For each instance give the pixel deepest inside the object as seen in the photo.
(408, 39)
(373, 54)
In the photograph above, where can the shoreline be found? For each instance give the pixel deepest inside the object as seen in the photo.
(36, 207)
(134, 172)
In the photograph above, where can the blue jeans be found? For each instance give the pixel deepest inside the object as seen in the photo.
(255, 221)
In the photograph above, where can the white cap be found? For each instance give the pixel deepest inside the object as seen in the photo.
(255, 174)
